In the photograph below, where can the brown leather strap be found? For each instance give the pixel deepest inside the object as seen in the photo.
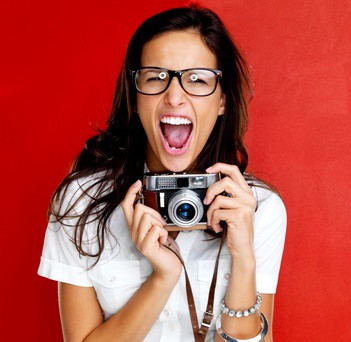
(208, 314)
(199, 332)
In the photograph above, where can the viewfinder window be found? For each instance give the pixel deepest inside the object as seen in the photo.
(198, 181)
(182, 182)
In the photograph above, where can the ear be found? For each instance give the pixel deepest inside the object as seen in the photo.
(222, 105)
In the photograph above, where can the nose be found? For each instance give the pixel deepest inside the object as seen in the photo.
(175, 96)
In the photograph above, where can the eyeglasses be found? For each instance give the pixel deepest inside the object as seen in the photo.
(194, 81)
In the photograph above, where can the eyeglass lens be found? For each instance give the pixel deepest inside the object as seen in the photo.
(194, 81)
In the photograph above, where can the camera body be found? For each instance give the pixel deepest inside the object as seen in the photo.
(178, 196)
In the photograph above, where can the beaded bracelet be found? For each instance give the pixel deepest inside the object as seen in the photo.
(225, 337)
(242, 313)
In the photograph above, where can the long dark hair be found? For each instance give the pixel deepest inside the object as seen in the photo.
(117, 154)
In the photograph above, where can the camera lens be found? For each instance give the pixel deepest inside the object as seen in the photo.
(185, 208)
(186, 212)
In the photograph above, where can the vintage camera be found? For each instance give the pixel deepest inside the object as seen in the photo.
(178, 197)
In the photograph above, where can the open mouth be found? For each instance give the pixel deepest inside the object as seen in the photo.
(176, 134)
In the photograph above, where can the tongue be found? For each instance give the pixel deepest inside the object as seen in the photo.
(176, 135)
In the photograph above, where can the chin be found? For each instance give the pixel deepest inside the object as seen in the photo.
(176, 164)
(176, 167)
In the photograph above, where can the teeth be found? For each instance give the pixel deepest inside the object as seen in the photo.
(173, 148)
(172, 120)
(175, 120)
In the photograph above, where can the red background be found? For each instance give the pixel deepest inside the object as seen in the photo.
(59, 64)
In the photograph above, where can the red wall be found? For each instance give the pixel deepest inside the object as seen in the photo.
(60, 60)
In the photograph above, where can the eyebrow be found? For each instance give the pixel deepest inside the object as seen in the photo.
(147, 71)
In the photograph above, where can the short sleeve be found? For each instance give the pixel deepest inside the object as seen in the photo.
(269, 239)
(60, 258)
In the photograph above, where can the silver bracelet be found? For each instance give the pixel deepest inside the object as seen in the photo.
(225, 337)
(242, 313)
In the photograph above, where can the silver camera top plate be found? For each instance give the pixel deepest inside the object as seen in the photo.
(179, 180)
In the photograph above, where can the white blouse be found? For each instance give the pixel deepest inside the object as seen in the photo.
(122, 269)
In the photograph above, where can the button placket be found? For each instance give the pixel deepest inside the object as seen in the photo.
(185, 241)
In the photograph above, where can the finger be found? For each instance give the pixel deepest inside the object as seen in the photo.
(231, 215)
(237, 218)
(128, 201)
(144, 208)
(229, 186)
(221, 215)
(223, 202)
(163, 236)
(233, 172)
(139, 210)
(151, 240)
(146, 223)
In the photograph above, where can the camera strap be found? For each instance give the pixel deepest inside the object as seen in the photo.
(199, 332)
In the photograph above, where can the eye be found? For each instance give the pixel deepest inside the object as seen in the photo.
(196, 78)
(160, 77)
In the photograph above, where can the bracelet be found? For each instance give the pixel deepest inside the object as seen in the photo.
(259, 337)
(242, 313)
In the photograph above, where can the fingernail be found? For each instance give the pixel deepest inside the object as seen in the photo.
(209, 169)
(138, 182)
(205, 200)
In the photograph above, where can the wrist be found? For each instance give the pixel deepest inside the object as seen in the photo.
(165, 280)
(247, 259)
(244, 261)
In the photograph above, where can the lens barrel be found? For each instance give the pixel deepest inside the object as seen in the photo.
(185, 208)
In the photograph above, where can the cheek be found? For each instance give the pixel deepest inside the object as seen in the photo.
(146, 104)
(149, 128)
(205, 129)
(207, 116)
(146, 108)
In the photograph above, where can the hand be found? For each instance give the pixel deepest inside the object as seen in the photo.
(147, 231)
(238, 210)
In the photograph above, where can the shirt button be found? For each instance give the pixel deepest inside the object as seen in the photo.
(112, 279)
(166, 312)
(227, 275)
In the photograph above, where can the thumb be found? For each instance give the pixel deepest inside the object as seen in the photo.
(128, 201)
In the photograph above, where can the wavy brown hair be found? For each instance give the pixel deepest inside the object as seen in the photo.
(117, 153)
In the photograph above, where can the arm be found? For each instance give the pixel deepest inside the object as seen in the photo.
(241, 294)
(82, 319)
(80, 312)
(238, 211)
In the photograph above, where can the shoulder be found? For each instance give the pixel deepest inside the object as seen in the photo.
(73, 210)
(270, 205)
(79, 215)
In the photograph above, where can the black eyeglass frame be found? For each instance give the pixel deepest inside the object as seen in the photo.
(178, 74)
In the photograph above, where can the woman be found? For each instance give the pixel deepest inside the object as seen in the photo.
(117, 278)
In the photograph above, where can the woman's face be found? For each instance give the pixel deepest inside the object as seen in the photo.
(173, 143)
